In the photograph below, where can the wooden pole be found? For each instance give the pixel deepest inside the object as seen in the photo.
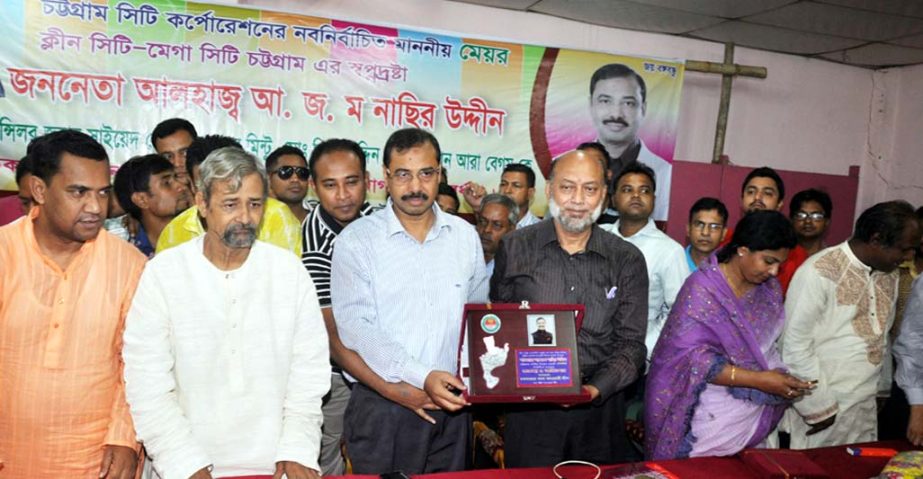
(725, 105)
(728, 70)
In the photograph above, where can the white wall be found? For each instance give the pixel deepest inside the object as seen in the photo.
(808, 115)
(895, 167)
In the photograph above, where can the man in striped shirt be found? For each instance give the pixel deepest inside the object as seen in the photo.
(339, 179)
(400, 280)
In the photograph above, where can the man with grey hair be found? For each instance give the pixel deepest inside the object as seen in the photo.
(570, 260)
(498, 216)
(225, 350)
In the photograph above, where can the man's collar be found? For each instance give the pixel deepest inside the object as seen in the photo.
(847, 249)
(192, 222)
(546, 234)
(631, 153)
(28, 225)
(329, 221)
(394, 225)
(649, 229)
(332, 224)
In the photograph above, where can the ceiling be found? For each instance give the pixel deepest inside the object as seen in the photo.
(865, 33)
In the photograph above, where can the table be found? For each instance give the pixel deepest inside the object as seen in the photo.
(834, 460)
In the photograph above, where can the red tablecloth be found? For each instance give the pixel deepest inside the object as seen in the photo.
(834, 460)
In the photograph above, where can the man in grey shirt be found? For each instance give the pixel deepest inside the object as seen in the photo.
(571, 260)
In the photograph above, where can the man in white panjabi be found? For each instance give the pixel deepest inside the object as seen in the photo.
(226, 356)
(839, 308)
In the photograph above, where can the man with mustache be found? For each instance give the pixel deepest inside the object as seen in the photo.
(838, 311)
(634, 197)
(618, 104)
(149, 189)
(571, 260)
(339, 180)
(401, 278)
(226, 357)
(763, 189)
(279, 227)
(288, 178)
(65, 287)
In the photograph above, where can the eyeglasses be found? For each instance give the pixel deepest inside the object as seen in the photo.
(405, 176)
(815, 216)
(711, 227)
(286, 172)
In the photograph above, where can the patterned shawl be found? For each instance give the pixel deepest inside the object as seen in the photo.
(708, 328)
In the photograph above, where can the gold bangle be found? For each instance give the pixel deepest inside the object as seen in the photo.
(733, 372)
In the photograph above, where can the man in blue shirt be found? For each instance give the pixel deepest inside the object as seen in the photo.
(706, 229)
(401, 277)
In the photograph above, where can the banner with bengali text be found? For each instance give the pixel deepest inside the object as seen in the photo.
(115, 68)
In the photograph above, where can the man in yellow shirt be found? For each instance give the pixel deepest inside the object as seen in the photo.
(279, 227)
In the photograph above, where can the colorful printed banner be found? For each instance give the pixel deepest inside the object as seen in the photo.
(115, 68)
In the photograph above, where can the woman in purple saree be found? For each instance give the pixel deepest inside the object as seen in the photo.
(716, 384)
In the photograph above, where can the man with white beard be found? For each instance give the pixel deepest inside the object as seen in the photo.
(571, 260)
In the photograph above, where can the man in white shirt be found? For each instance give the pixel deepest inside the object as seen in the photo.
(839, 309)
(226, 356)
(667, 268)
(400, 280)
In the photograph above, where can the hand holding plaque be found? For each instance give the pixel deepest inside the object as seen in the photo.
(537, 361)
(444, 389)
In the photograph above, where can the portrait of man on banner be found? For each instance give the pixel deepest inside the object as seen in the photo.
(628, 105)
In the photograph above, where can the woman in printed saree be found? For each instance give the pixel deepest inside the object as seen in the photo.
(717, 384)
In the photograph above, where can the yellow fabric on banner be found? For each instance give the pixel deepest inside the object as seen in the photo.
(280, 227)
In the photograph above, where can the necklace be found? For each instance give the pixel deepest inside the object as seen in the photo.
(738, 292)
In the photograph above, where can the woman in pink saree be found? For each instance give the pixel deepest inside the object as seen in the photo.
(716, 384)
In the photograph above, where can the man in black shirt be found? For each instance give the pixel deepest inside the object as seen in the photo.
(571, 260)
(541, 336)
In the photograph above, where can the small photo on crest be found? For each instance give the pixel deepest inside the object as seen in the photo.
(541, 329)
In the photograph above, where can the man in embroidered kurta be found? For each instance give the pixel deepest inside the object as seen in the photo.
(226, 357)
(840, 307)
(65, 287)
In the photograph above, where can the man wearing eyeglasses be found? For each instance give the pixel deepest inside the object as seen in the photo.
(339, 180)
(707, 228)
(810, 212)
(288, 178)
(401, 277)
